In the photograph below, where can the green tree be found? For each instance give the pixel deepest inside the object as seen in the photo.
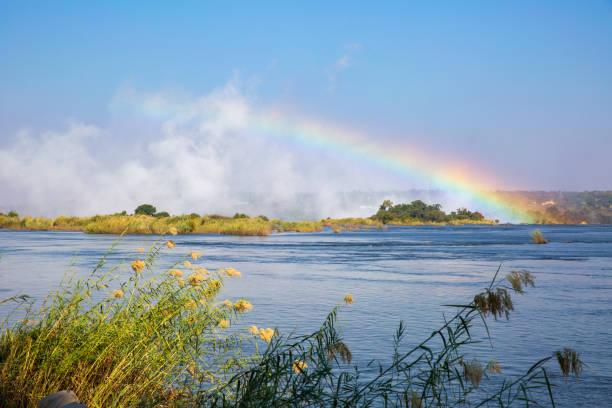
(386, 205)
(146, 209)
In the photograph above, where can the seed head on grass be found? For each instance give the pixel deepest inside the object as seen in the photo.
(232, 272)
(141, 250)
(170, 244)
(472, 372)
(243, 305)
(175, 273)
(569, 361)
(203, 271)
(195, 255)
(496, 302)
(187, 264)
(341, 350)
(137, 265)
(253, 329)
(348, 299)
(266, 334)
(519, 278)
(195, 279)
(299, 366)
(223, 323)
(492, 367)
(117, 293)
(227, 303)
(214, 284)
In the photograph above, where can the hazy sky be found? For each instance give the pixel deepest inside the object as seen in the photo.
(103, 105)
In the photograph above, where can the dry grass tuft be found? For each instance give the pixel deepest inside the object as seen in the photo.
(496, 302)
(537, 237)
(519, 278)
(339, 349)
(569, 361)
(472, 372)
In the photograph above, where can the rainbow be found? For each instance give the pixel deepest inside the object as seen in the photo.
(408, 162)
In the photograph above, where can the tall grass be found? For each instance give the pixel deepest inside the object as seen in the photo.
(144, 224)
(150, 338)
(298, 226)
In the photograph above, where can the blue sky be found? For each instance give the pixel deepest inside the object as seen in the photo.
(523, 89)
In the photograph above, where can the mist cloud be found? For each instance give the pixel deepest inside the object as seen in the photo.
(203, 159)
(194, 155)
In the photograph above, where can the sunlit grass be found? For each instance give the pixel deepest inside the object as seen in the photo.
(537, 237)
(122, 336)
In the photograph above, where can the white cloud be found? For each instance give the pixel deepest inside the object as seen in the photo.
(341, 64)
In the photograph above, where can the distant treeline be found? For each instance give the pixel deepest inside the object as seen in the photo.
(420, 212)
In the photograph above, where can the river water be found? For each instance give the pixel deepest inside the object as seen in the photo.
(403, 273)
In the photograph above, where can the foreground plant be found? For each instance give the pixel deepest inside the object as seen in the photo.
(313, 370)
(164, 340)
(146, 340)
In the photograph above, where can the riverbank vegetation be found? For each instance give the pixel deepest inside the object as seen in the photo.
(131, 335)
(146, 220)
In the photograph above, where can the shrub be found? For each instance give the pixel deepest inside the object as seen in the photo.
(13, 214)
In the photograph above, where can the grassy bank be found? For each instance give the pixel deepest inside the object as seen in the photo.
(131, 335)
(144, 224)
(196, 224)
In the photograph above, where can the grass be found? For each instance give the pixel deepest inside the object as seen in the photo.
(149, 338)
(163, 339)
(537, 237)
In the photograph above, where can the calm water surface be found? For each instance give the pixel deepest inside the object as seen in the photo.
(404, 273)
